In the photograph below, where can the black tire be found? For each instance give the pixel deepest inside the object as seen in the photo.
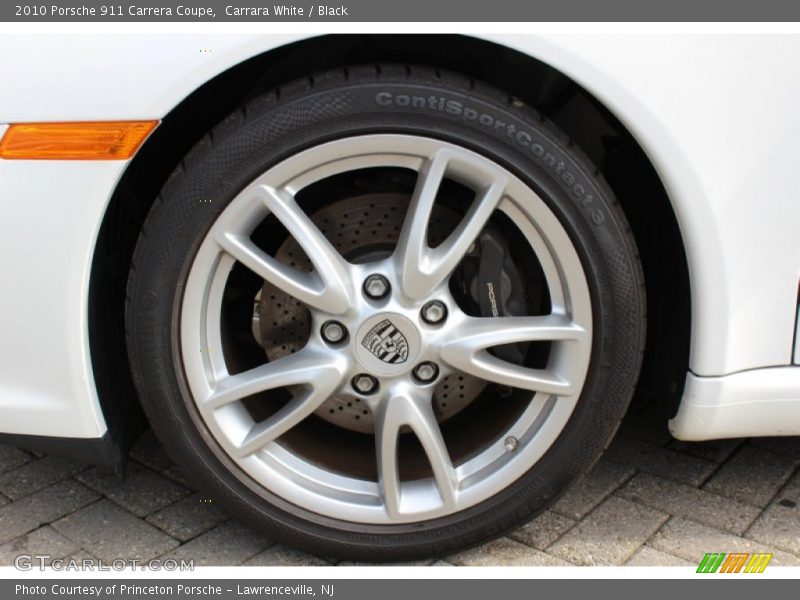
(370, 100)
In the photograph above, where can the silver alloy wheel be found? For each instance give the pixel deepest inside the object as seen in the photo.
(417, 275)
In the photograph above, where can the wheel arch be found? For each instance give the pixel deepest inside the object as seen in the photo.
(590, 124)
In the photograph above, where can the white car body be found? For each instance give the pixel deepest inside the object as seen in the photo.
(717, 116)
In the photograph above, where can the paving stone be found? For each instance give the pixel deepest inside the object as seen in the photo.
(505, 552)
(779, 525)
(230, 543)
(650, 557)
(664, 462)
(187, 518)
(44, 541)
(610, 517)
(691, 541)
(281, 556)
(38, 474)
(596, 486)
(110, 533)
(80, 556)
(786, 446)
(149, 451)
(715, 451)
(29, 513)
(543, 530)
(142, 492)
(610, 534)
(11, 457)
(682, 500)
(752, 476)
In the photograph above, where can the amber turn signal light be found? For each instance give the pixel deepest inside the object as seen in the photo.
(107, 140)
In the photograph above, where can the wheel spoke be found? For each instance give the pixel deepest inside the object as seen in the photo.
(423, 268)
(332, 268)
(327, 288)
(429, 434)
(302, 368)
(416, 412)
(261, 434)
(479, 332)
(449, 253)
(412, 245)
(387, 430)
(467, 350)
(317, 375)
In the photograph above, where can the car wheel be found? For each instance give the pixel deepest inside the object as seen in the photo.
(385, 313)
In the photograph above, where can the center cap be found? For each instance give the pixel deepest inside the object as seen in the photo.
(387, 344)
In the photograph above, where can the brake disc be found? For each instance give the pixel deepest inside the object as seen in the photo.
(362, 228)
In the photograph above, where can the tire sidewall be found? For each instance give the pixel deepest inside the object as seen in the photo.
(247, 145)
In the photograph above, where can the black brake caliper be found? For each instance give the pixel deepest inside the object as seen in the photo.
(490, 285)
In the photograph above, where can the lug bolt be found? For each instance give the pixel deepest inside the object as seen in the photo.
(333, 332)
(510, 444)
(434, 312)
(365, 384)
(376, 286)
(425, 372)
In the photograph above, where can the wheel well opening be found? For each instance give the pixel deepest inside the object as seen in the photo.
(591, 126)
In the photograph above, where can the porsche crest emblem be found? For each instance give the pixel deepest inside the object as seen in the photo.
(387, 343)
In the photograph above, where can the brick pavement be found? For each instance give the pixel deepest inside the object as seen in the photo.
(651, 500)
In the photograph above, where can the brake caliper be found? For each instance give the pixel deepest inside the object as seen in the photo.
(492, 286)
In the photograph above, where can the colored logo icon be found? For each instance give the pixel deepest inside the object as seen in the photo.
(736, 562)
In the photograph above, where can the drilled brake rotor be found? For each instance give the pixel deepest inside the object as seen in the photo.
(363, 228)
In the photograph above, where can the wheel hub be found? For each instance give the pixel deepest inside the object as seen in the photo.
(363, 227)
(387, 344)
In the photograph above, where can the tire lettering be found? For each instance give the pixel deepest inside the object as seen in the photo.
(521, 137)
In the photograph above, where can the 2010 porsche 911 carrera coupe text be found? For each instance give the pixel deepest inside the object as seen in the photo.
(385, 297)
